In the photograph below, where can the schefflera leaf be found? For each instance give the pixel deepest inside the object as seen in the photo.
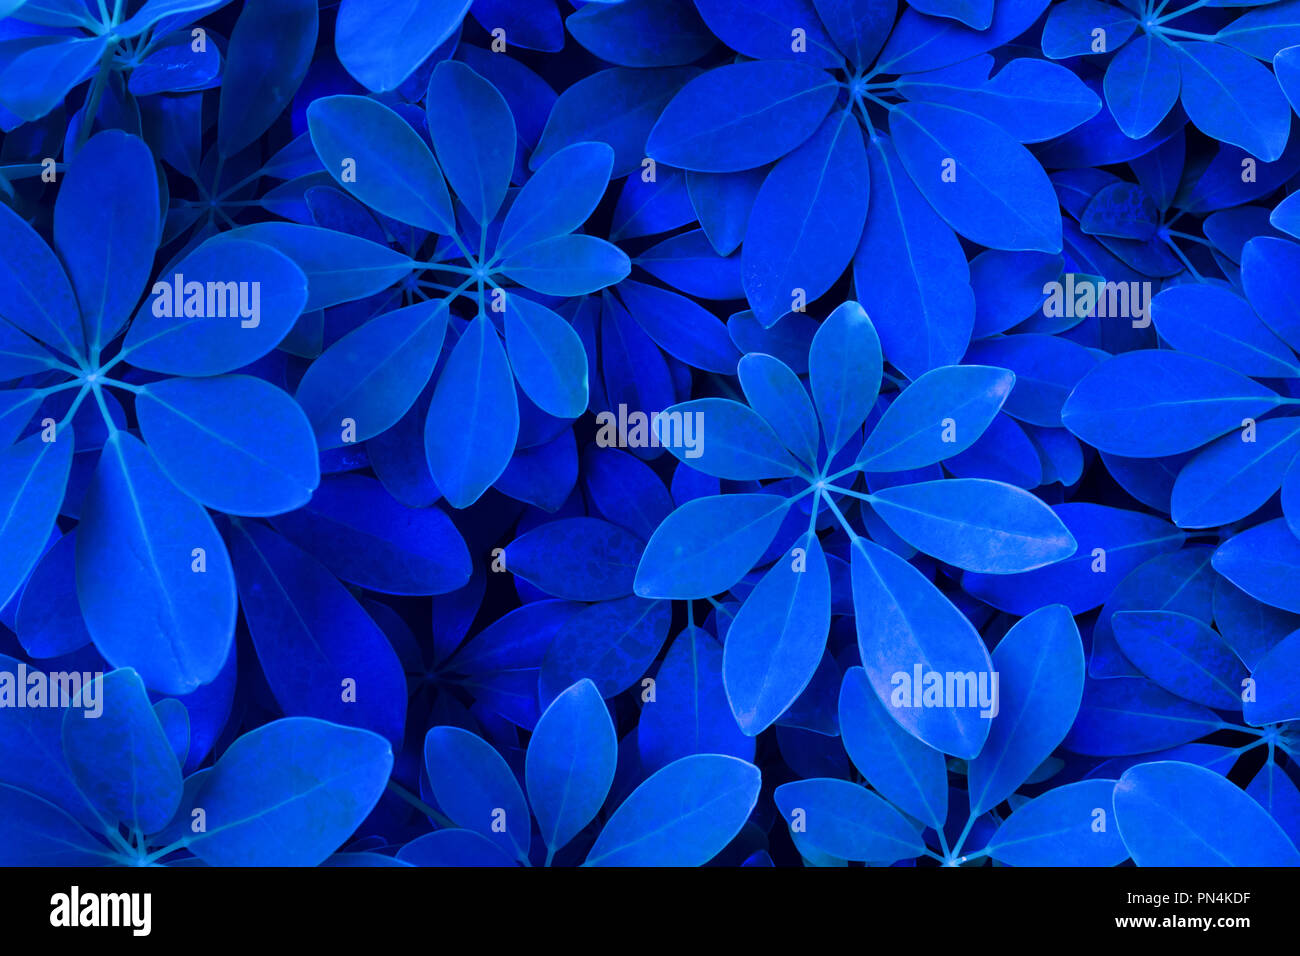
(1069, 826)
(909, 773)
(979, 525)
(473, 421)
(956, 402)
(708, 544)
(1040, 671)
(778, 637)
(1178, 814)
(177, 629)
(234, 442)
(682, 815)
(1151, 403)
(289, 793)
(476, 788)
(33, 477)
(570, 763)
(225, 305)
(847, 821)
(909, 635)
(119, 755)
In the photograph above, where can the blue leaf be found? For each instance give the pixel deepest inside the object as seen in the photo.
(473, 420)
(1060, 828)
(807, 219)
(1151, 403)
(1001, 197)
(477, 789)
(339, 267)
(48, 621)
(691, 714)
(382, 43)
(708, 544)
(1277, 793)
(568, 265)
(474, 133)
(1231, 97)
(613, 643)
(844, 369)
(1068, 31)
(270, 50)
(722, 203)
(682, 815)
(235, 443)
(1131, 715)
(1214, 323)
(1111, 543)
(570, 763)
(908, 631)
(737, 443)
(177, 629)
(625, 490)
(454, 847)
(763, 29)
(680, 327)
(910, 273)
(858, 28)
(1179, 814)
(978, 525)
(846, 821)
(771, 108)
(642, 32)
(37, 298)
(35, 832)
(1230, 478)
(617, 107)
(1142, 84)
(778, 637)
(1266, 267)
(354, 527)
(558, 198)
(1040, 683)
(120, 758)
(688, 262)
(646, 208)
(907, 772)
(33, 476)
(1046, 367)
(1032, 100)
(195, 322)
(776, 393)
(376, 156)
(547, 357)
(921, 43)
(310, 633)
(1182, 655)
(532, 24)
(579, 559)
(289, 793)
(374, 374)
(106, 228)
(1263, 561)
(37, 79)
(910, 434)
(1275, 696)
